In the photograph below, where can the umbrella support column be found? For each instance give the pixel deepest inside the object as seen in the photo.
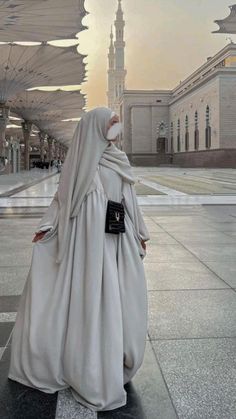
(26, 128)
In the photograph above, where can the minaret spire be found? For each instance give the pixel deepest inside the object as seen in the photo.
(117, 72)
(111, 55)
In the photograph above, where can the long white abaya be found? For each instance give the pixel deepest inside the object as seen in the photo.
(82, 323)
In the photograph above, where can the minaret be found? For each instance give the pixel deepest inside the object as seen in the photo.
(117, 72)
(111, 70)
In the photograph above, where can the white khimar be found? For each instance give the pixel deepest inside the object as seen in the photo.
(88, 144)
(82, 323)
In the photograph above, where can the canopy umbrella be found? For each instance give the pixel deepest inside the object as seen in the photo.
(228, 25)
(40, 20)
(23, 67)
(39, 105)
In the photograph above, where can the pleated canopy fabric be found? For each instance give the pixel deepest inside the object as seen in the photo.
(61, 131)
(39, 105)
(23, 67)
(40, 20)
(228, 25)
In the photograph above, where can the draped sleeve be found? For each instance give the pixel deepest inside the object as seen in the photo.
(133, 211)
(50, 218)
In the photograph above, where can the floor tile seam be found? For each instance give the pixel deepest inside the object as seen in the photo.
(195, 290)
(24, 187)
(163, 227)
(7, 343)
(164, 231)
(189, 289)
(163, 377)
(32, 197)
(202, 262)
(15, 266)
(161, 188)
(232, 244)
(36, 217)
(153, 339)
(22, 206)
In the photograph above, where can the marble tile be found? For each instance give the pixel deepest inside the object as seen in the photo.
(161, 188)
(153, 227)
(12, 280)
(201, 376)
(9, 303)
(150, 387)
(168, 253)
(187, 200)
(1, 352)
(202, 237)
(213, 252)
(177, 275)
(226, 271)
(133, 408)
(68, 407)
(220, 226)
(7, 317)
(5, 331)
(161, 238)
(192, 314)
(20, 257)
(20, 402)
(187, 228)
(178, 219)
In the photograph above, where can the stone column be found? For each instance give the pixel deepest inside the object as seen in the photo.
(60, 151)
(4, 115)
(56, 150)
(41, 145)
(26, 128)
(50, 144)
(18, 157)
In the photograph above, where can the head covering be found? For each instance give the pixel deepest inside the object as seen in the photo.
(88, 144)
(115, 159)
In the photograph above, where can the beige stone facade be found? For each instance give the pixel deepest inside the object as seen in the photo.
(187, 125)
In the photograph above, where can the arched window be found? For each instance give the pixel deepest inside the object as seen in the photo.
(208, 129)
(196, 132)
(172, 137)
(178, 136)
(186, 133)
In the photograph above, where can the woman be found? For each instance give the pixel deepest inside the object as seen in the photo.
(82, 319)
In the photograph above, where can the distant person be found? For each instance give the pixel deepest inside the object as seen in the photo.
(82, 320)
(59, 165)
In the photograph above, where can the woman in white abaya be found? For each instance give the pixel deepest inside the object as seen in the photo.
(82, 319)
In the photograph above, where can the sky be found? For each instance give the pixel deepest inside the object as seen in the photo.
(166, 40)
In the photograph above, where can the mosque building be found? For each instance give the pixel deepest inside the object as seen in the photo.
(193, 125)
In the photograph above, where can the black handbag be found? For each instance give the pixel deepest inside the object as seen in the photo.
(115, 218)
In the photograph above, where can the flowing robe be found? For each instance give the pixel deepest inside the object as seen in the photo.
(82, 323)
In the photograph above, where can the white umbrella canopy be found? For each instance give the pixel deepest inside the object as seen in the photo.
(39, 105)
(228, 25)
(40, 20)
(23, 67)
(61, 131)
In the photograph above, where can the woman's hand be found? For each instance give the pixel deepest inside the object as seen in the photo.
(39, 236)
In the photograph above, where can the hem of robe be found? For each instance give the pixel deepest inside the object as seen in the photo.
(27, 384)
(93, 407)
(73, 392)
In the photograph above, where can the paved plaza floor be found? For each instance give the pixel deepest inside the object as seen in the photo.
(189, 371)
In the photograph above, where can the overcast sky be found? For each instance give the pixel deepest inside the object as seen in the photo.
(165, 41)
